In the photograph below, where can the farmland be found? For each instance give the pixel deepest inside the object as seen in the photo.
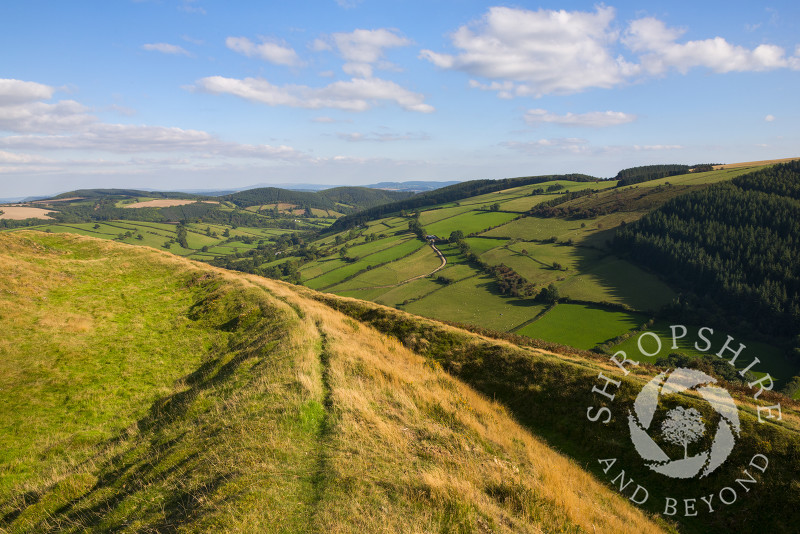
(385, 260)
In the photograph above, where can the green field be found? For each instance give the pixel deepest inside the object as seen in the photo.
(612, 279)
(474, 301)
(420, 262)
(469, 222)
(582, 326)
(773, 360)
(339, 274)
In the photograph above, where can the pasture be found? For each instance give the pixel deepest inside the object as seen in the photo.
(773, 359)
(475, 301)
(582, 326)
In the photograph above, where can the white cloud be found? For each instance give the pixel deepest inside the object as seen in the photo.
(573, 145)
(367, 46)
(67, 125)
(518, 52)
(660, 51)
(538, 52)
(188, 7)
(166, 48)
(357, 94)
(42, 117)
(769, 118)
(128, 138)
(382, 137)
(657, 147)
(362, 50)
(13, 92)
(11, 157)
(595, 119)
(268, 50)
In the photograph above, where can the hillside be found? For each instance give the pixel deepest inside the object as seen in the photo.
(531, 260)
(171, 395)
(732, 248)
(341, 199)
(527, 257)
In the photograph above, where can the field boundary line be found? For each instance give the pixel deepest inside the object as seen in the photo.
(439, 268)
(534, 318)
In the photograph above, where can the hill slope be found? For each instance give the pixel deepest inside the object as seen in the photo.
(344, 199)
(166, 394)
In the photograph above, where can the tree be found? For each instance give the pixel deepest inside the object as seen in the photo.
(181, 236)
(549, 294)
(226, 233)
(456, 235)
(96, 226)
(495, 207)
(683, 427)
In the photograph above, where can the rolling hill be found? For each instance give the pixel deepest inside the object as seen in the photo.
(169, 395)
(145, 392)
(528, 257)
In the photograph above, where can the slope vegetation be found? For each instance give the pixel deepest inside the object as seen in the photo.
(147, 393)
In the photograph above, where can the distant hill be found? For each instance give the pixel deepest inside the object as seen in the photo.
(451, 193)
(123, 193)
(413, 186)
(343, 199)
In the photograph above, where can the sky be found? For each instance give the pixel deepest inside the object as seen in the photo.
(206, 94)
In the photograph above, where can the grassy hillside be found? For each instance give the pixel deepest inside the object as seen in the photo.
(732, 249)
(342, 199)
(520, 238)
(145, 392)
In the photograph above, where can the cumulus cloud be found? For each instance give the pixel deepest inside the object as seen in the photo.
(13, 92)
(769, 118)
(362, 50)
(357, 94)
(594, 119)
(538, 52)
(518, 52)
(166, 48)
(660, 51)
(268, 50)
(68, 125)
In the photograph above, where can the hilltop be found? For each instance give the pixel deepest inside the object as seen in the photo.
(171, 395)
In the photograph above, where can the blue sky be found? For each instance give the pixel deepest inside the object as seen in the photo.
(209, 94)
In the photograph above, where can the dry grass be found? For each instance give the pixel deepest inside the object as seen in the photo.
(19, 213)
(165, 203)
(322, 425)
(753, 163)
(426, 450)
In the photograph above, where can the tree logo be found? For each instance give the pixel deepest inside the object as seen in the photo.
(683, 426)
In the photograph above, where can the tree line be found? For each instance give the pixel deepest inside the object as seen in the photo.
(732, 248)
(447, 194)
